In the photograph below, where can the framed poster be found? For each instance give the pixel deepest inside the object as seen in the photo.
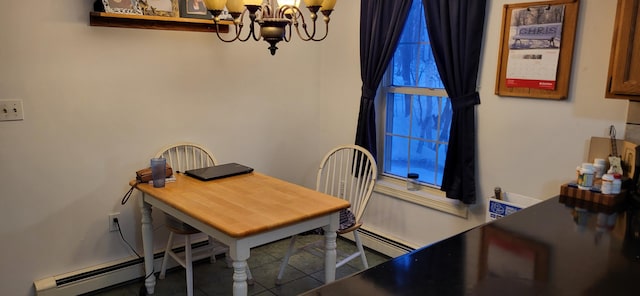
(534, 46)
(536, 49)
(160, 7)
(121, 6)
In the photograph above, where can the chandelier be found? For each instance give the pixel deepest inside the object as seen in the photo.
(276, 22)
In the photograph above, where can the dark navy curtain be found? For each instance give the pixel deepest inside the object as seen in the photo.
(455, 30)
(381, 23)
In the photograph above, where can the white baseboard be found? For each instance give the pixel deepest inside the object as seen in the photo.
(381, 243)
(100, 276)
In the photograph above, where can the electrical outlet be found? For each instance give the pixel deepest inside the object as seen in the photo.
(113, 226)
(11, 110)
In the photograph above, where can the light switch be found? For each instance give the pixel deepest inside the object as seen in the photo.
(11, 110)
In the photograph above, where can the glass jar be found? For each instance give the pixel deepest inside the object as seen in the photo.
(412, 182)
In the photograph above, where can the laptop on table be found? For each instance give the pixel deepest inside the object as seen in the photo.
(219, 171)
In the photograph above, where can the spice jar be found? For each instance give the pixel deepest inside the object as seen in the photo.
(607, 184)
(412, 182)
(585, 176)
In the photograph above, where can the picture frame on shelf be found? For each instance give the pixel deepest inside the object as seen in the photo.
(160, 7)
(121, 6)
(194, 9)
(197, 9)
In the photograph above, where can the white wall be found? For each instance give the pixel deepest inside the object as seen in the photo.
(99, 102)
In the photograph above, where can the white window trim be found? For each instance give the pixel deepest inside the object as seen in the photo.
(421, 91)
(426, 196)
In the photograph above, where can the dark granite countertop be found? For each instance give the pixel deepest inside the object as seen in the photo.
(547, 249)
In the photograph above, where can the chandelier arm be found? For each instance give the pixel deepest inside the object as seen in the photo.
(304, 26)
(326, 32)
(254, 19)
(291, 13)
(237, 35)
(239, 25)
(267, 12)
(308, 36)
(257, 36)
(252, 33)
(285, 37)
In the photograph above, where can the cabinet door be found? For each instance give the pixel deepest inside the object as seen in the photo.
(625, 56)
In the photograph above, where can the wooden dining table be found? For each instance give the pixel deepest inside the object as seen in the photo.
(242, 212)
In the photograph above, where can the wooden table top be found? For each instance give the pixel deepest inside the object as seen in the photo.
(245, 204)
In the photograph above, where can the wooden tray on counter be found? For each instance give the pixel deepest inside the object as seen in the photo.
(590, 200)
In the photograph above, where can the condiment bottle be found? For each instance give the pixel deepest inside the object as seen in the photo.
(617, 184)
(585, 176)
(607, 184)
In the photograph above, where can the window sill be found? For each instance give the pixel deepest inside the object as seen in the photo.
(426, 197)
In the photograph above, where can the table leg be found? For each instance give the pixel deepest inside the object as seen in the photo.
(330, 252)
(147, 243)
(239, 254)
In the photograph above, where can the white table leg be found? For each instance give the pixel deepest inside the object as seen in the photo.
(330, 253)
(239, 254)
(147, 243)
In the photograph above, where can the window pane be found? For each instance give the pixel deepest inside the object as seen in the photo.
(398, 114)
(442, 156)
(423, 155)
(414, 27)
(404, 65)
(429, 76)
(445, 120)
(425, 118)
(395, 159)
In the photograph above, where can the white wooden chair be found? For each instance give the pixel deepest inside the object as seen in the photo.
(182, 157)
(348, 172)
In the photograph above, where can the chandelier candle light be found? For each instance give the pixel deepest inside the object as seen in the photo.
(276, 21)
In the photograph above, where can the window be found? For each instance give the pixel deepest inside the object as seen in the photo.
(417, 115)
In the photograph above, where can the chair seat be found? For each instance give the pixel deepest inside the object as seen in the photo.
(352, 228)
(347, 219)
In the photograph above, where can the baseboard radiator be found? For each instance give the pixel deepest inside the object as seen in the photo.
(103, 276)
(129, 269)
(382, 243)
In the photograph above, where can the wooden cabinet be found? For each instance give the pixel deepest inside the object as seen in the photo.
(624, 65)
(105, 19)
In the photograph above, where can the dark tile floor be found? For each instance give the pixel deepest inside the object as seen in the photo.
(304, 273)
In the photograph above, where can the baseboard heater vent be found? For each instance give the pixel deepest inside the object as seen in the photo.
(102, 276)
(382, 244)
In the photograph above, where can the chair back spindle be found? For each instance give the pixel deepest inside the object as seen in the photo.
(187, 156)
(348, 172)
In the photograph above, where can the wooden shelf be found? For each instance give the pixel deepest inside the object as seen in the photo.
(119, 20)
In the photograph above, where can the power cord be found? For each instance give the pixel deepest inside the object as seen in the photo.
(115, 220)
